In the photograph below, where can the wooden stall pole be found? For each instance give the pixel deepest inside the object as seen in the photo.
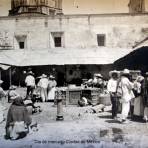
(10, 77)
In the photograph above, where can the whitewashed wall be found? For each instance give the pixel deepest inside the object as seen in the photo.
(80, 31)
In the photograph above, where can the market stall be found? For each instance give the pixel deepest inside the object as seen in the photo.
(71, 96)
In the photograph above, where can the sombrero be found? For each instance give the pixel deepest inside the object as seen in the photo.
(30, 73)
(114, 72)
(43, 76)
(140, 78)
(12, 87)
(126, 71)
(51, 77)
(98, 75)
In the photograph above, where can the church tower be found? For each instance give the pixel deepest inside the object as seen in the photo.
(35, 7)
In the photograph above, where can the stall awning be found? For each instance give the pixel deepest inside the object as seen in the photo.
(4, 67)
(62, 56)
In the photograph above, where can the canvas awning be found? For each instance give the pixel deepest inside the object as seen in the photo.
(62, 56)
(141, 44)
(4, 67)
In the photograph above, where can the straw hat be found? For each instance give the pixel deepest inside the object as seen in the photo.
(140, 78)
(30, 73)
(43, 76)
(12, 87)
(51, 77)
(114, 72)
(1, 81)
(126, 71)
(98, 75)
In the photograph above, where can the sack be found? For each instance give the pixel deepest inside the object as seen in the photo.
(119, 92)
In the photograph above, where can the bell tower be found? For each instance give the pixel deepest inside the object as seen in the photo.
(35, 7)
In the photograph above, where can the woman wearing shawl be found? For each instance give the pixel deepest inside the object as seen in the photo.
(138, 102)
(145, 96)
(18, 120)
(51, 88)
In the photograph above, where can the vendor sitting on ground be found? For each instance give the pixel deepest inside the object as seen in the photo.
(82, 102)
(18, 120)
(36, 97)
(12, 94)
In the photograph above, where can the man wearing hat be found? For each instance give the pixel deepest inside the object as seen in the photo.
(2, 108)
(97, 81)
(30, 83)
(51, 88)
(112, 87)
(43, 84)
(127, 94)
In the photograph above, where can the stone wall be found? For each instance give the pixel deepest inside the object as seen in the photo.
(79, 31)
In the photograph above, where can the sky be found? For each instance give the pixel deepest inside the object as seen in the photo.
(82, 6)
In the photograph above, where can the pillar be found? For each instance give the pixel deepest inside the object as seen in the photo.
(59, 107)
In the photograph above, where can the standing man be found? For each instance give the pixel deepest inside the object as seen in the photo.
(127, 94)
(51, 88)
(112, 87)
(43, 84)
(2, 108)
(30, 83)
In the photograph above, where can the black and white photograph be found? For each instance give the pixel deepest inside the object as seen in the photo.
(73, 73)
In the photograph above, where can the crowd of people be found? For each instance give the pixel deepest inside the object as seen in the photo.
(18, 117)
(129, 96)
(46, 86)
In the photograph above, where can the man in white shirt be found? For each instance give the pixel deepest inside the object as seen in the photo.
(127, 95)
(30, 83)
(112, 87)
(43, 84)
(51, 88)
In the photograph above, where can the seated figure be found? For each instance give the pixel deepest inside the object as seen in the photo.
(18, 120)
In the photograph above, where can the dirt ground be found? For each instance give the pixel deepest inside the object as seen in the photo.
(80, 129)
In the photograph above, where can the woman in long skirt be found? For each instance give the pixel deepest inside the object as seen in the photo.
(138, 101)
(51, 88)
(145, 96)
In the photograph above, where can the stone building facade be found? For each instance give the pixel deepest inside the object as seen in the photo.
(30, 7)
(78, 45)
(73, 31)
